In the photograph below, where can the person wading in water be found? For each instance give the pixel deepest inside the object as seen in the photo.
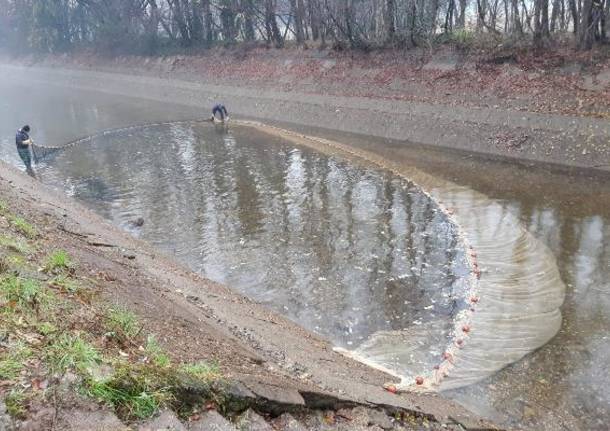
(221, 111)
(24, 144)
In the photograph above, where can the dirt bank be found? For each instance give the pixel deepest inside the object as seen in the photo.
(549, 110)
(195, 319)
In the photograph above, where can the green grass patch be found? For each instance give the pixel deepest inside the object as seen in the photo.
(13, 244)
(24, 294)
(16, 404)
(58, 261)
(155, 352)
(135, 391)
(23, 227)
(46, 328)
(12, 361)
(122, 324)
(72, 352)
(3, 207)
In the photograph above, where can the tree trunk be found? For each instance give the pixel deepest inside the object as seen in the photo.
(390, 27)
(273, 32)
(314, 18)
(517, 27)
(196, 21)
(575, 18)
(297, 13)
(152, 27)
(586, 28)
(180, 22)
(544, 21)
(555, 15)
(208, 21)
(461, 21)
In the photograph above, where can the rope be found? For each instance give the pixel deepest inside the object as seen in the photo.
(41, 152)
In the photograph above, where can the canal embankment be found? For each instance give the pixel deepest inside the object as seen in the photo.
(551, 117)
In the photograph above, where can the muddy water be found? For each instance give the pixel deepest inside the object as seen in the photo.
(563, 385)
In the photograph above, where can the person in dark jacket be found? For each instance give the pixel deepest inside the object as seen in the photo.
(221, 111)
(24, 144)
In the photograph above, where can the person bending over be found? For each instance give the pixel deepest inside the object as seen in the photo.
(221, 111)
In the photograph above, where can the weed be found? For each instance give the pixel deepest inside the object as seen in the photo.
(138, 390)
(14, 244)
(24, 293)
(46, 328)
(156, 353)
(12, 362)
(202, 371)
(122, 323)
(23, 227)
(72, 352)
(15, 402)
(3, 207)
(15, 261)
(58, 261)
(4, 265)
(135, 391)
(65, 283)
(129, 402)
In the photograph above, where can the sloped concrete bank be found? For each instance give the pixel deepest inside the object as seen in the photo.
(526, 137)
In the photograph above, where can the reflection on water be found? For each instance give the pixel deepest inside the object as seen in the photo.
(345, 250)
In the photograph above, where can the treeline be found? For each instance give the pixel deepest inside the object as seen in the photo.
(148, 25)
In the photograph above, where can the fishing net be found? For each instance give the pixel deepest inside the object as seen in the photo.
(42, 153)
(515, 291)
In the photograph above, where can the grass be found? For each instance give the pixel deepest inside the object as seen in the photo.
(16, 261)
(24, 294)
(155, 353)
(12, 362)
(202, 371)
(46, 328)
(123, 324)
(23, 227)
(15, 402)
(13, 244)
(135, 391)
(58, 261)
(141, 383)
(72, 352)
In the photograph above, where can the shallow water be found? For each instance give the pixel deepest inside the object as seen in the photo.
(563, 385)
(342, 249)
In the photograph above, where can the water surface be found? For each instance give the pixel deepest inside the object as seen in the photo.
(344, 249)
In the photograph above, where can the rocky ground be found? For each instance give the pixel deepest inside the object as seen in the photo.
(99, 331)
